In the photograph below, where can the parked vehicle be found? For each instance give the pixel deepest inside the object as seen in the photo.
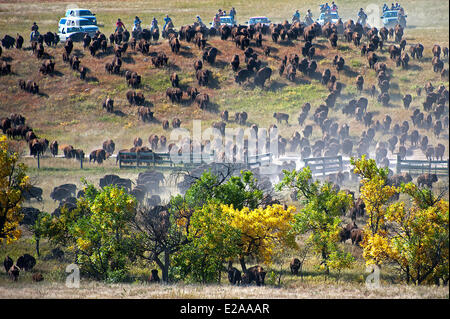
(84, 13)
(328, 16)
(391, 17)
(75, 28)
(255, 20)
(228, 20)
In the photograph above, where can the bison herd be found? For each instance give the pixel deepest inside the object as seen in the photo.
(369, 40)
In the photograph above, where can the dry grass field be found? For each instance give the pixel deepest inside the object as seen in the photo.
(69, 110)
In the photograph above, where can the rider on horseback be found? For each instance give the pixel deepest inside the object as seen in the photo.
(309, 17)
(120, 27)
(296, 17)
(167, 20)
(34, 32)
(200, 22)
(154, 24)
(334, 7)
(137, 24)
(216, 21)
(324, 7)
(362, 17)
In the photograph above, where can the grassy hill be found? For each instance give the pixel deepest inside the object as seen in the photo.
(70, 110)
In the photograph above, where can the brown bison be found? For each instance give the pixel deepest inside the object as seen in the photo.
(176, 123)
(108, 104)
(360, 83)
(224, 115)
(137, 142)
(427, 180)
(235, 62)
(109, 146)
(234, 275)
(174, 94)
(175, 80)
(262, 76)
(436, 50)
(357, 236)
(295, 266)
(8, 263)
(54, 148)
(97, 156)
(242, 76)
(203, 77)
(345, 232)
(256, 274)
(209, 55)
(281, 117)
(175, 45)
(240, 117)
(153, 140)
(202, 100)
(192, 92)
(26, 262)
(145, 114)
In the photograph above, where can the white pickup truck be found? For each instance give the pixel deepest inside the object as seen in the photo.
(75, 28)
(82, 13)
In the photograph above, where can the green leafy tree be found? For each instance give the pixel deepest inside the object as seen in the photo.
(97, 230)
(319, 216)
(239, 191)
(211, 241)
(159, 234)
(165, 233)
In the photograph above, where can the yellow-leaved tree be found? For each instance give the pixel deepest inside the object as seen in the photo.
(262, 230)
(415, 237)
(13, 180)
(376, 194)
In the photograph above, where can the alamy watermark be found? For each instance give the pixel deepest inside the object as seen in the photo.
(73, 277)
(373, 279)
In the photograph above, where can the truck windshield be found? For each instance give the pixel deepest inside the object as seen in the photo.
(85, 22)
(73, 29)
(259, 20)
(85, 13)
(390, 14)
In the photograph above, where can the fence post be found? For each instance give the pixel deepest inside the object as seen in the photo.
(323, 167)
(340, 163)
(81, 162)
(399, 164)
(39, 166)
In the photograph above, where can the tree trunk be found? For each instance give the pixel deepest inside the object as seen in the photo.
(37, 248)
(407, 275)
(242, 261)
(165, 271)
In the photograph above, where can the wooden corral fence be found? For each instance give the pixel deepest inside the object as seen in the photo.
(324, 165)
(38, 159)
(417, 167)
(164, 161)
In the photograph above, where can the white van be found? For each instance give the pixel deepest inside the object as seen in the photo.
(75, 28)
